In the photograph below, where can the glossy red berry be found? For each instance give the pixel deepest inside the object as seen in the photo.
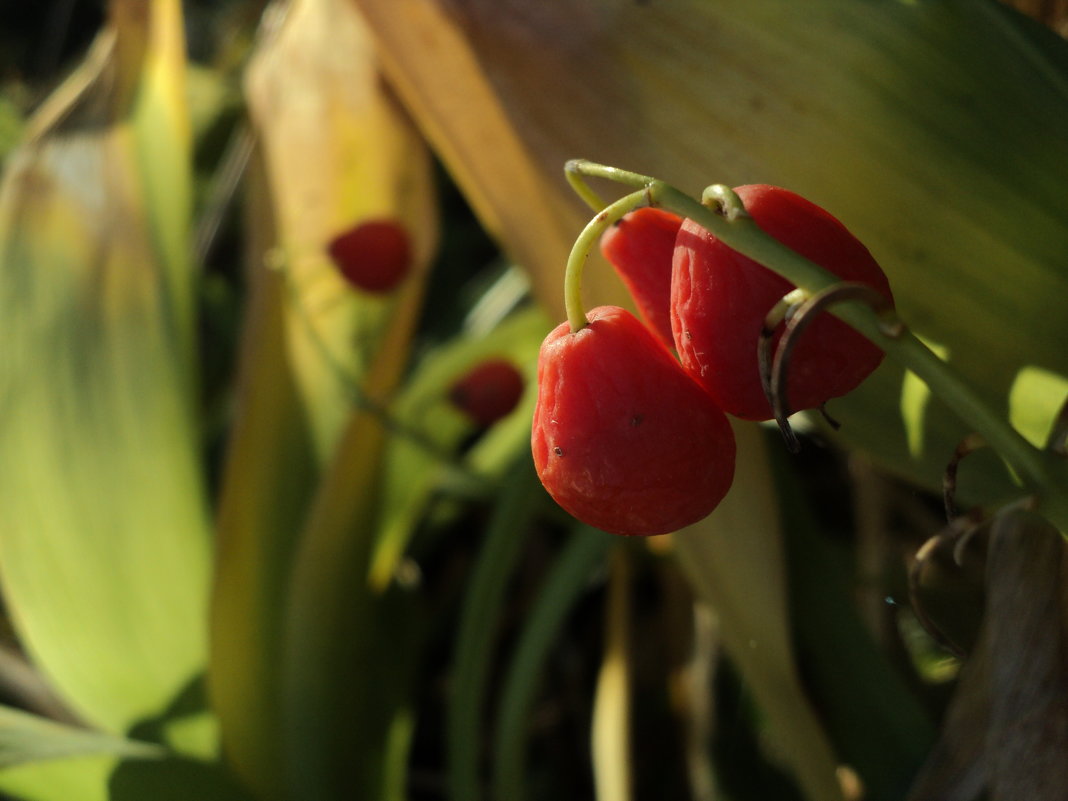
(374, 256)
(623, 438)
(720, 298)
(640, 248)
(488, 392)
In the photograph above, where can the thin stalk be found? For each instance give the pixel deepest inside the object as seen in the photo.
(587, 240)
(578, 182)
(739, 232)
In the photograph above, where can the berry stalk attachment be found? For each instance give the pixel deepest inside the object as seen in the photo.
(800, 312)
(724, 215)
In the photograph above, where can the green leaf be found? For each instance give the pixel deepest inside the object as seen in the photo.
(41, 760)
(885, 113)
(611, 731)
(80, 779)
(104, 543)
(563, 586)
(29, 738)
(346, 650)
(736, 563)
(414, 469)
(1035, 398)
(477, 635)
(851, 682)
(333, 150)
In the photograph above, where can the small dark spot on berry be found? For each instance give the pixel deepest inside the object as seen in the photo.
(558, 451)
(689, 334)
(636, 420)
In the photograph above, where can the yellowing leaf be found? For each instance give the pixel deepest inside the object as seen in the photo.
(334, 150)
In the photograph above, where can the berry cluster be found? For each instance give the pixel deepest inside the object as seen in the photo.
(631, 439)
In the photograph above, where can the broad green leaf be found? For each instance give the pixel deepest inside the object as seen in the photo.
(932, 129)
(735, 561)
(334, 150)
(104, 544)
(30, 738)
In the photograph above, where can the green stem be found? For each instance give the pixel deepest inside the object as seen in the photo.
(739, 232)
(572, 170)
(587, 241)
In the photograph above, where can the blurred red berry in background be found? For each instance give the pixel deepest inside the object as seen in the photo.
(374, 255)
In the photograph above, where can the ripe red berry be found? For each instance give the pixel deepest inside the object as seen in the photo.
(488, 392)
(623, 438)
(719, 299)
(640, 247)
(374, 256)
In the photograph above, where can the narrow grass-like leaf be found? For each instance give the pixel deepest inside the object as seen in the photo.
(11, 125)
(334, 150)
(477, 636)
(104, 546)
(610, 738)
(562, 587)
(29, 738)
(345, 648)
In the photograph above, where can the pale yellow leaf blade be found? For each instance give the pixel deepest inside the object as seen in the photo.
(333, 149)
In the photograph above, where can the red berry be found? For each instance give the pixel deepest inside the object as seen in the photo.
(623, 438)
(488, 392)
(639, 247)
(719, 299)
(374, 256)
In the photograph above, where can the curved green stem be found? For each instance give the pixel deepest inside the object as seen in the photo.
(587, 241)
(724, 200)
(572, 170)
(741, 233)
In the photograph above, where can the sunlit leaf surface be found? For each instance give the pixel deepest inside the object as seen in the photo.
(103, 538)
(933, 130)
(28, 738)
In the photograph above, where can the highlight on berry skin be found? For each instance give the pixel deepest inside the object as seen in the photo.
(488, 392)
(374, 256)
